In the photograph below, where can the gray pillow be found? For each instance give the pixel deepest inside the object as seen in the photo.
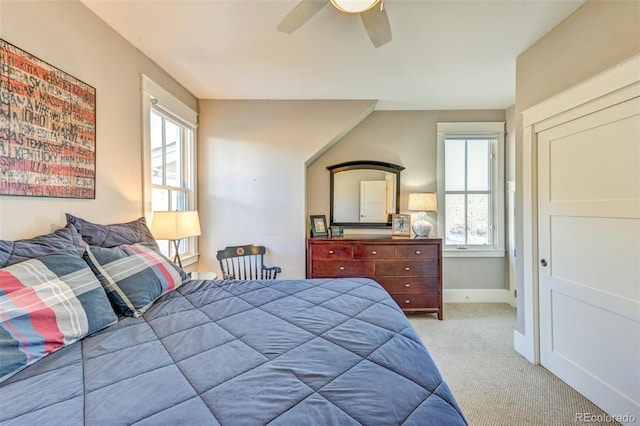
(20, 250)
(113, 235)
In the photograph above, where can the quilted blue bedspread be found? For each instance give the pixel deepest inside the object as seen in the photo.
(303, 352)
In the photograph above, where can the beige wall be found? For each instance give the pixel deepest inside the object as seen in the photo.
(407, 138)
(253, 154)
(598, 36)
(252, 159)
(70, 37)
(288, 134)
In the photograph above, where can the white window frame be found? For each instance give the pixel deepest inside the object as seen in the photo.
(154, 97)
(494, 130)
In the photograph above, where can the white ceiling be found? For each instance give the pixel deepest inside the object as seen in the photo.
(449, 54)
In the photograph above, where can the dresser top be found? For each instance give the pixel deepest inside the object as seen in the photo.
(377, 238)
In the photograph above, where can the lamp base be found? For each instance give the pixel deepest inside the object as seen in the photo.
(422, 228)
(176, 245)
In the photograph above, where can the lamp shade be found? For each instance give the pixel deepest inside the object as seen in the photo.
(175, 225)
(354, 6)
(423, 202)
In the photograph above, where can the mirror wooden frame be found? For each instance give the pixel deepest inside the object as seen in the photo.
(370, 165)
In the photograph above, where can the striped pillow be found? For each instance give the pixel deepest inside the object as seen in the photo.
(47, 303)
(133, 275)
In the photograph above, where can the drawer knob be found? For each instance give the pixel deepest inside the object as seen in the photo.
(407, 269)
(342, 268)
(407, 301)
(374, 252)
(407, 285)
(418, 252)
(330, 251)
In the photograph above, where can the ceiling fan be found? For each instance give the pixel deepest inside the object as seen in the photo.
(374, 19)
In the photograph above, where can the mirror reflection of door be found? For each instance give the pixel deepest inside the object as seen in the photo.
(373, 201)
(345, 184)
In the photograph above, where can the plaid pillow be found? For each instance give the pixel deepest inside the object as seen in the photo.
(47, 303)
(133, 275)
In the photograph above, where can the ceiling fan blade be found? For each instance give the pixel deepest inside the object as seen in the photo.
(300, 14)
(376, 22)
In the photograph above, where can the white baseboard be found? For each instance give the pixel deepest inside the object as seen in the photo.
(456, 295)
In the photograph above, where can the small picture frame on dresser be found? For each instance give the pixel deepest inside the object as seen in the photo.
(401, 225)
(336, 231)
(319, 226)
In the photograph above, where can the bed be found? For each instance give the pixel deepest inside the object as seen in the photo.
(328, 351)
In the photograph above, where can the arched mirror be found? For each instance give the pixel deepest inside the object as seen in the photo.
(364, 194)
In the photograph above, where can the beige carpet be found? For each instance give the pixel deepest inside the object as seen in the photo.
(494, 385)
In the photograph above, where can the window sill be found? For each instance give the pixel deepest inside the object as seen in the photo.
(452, 252)
(188, 260)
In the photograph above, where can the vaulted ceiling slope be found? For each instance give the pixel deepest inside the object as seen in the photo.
(450, 54)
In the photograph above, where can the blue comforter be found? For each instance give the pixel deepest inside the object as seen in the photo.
(243, 353)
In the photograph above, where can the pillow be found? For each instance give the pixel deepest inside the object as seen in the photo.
(133, 275)
(45, 304)
(12, 252)
(115, 234)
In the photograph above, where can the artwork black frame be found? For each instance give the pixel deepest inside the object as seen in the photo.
(319, 225)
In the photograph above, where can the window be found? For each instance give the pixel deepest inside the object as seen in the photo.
(471, 188)
(169, 161)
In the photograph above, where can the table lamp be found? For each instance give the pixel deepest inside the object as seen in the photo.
(422, 202)
(174, 226)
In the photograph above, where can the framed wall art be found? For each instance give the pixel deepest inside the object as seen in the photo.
(47, 129)
(401, 225)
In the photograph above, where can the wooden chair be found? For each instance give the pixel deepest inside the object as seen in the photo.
(245, 263)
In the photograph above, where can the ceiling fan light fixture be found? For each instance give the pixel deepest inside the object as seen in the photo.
(354, 6)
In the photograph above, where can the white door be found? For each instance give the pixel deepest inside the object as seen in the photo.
(589, 253)
(373, 201)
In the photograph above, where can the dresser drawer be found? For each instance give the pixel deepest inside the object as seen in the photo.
(369, 251)
(334, 251)
(408, 269)
(415, 252)
(427, 268)
(416, 301)
(330, 268)
(409, 284)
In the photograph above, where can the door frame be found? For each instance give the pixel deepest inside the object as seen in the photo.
(510, 203)
(611, 87)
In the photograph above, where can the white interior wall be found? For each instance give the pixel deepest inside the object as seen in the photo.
(252, 168)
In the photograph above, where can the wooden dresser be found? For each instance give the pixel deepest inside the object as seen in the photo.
(409, 269)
